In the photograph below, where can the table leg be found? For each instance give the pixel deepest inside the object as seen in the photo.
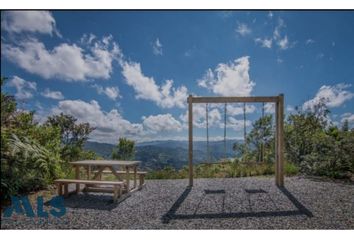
(128, 178)
(77, 176)
(135, 174)
(88, 172)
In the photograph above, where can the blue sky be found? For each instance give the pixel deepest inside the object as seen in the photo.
(129, 73)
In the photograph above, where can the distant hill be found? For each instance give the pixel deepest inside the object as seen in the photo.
(159, 154)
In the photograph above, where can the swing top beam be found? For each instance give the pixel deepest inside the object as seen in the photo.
(279, 119)
(260, 99)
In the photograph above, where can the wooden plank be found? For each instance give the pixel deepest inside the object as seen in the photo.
(190, 138)
(232, 99)
(115, 193)
(127, 178)
(105, 163)
(98, 173)
(135, 176)
(60, 189)
(66, 190)
(122, 172)
(84, 181)
(141, 180)
(114, 172)
(77, 176)
(89, 172)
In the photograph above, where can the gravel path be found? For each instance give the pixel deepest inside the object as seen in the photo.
(239, 203)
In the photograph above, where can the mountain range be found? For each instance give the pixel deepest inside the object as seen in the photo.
(156, 155)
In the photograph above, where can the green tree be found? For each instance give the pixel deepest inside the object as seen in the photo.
(124, 150)
(300, 129)
(73, 135)
(30, 153)
(345, 126)
(259, 141)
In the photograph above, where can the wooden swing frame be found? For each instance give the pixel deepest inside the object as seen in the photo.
(279, 128)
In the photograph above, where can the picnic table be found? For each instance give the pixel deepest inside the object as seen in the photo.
(112, 166)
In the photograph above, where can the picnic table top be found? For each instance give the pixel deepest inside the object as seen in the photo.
(105, 163)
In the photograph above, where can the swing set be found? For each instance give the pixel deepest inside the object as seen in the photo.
(279, 139)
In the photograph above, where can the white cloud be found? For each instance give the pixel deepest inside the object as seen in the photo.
(109, 125)
(24, 89)
(290, 108)
(332, 96)
(110, 92)
(87, 39)
(199, 112)
(284, 43)
(57, 95)
(238, 110)
(165, 96)
(237, 124)
(347, 117)
(65, 61)
(281, 39)
(320, 56)
(157, 47)
(270, 14)
(29, 21)
(161, 123)
(243, 29)
(229, 79)
(310, 41)
(266, 42)
(269, 107)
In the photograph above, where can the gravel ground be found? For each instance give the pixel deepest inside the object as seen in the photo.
(239, 203)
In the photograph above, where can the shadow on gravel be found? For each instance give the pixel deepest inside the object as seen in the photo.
(90, 201)
(171, 213)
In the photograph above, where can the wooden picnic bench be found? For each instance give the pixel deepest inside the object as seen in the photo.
(95, 183)
(140, 174)
(117, 186)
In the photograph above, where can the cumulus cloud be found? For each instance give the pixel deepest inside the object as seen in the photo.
(161, 123)
(110, 92)
(332, 96)
(266, 42)
(29, 21)
(269, 107)
(199, 112)
(157, 47)
(57, 95)
(237, 124)
(69, 62)
(243, 29)
(24, 89)
(238, 109)
(165, 96)
(109, 125)
(347, 117)
(229, 79)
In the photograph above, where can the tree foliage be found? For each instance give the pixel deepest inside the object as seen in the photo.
(33, 154)
(125, 149)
